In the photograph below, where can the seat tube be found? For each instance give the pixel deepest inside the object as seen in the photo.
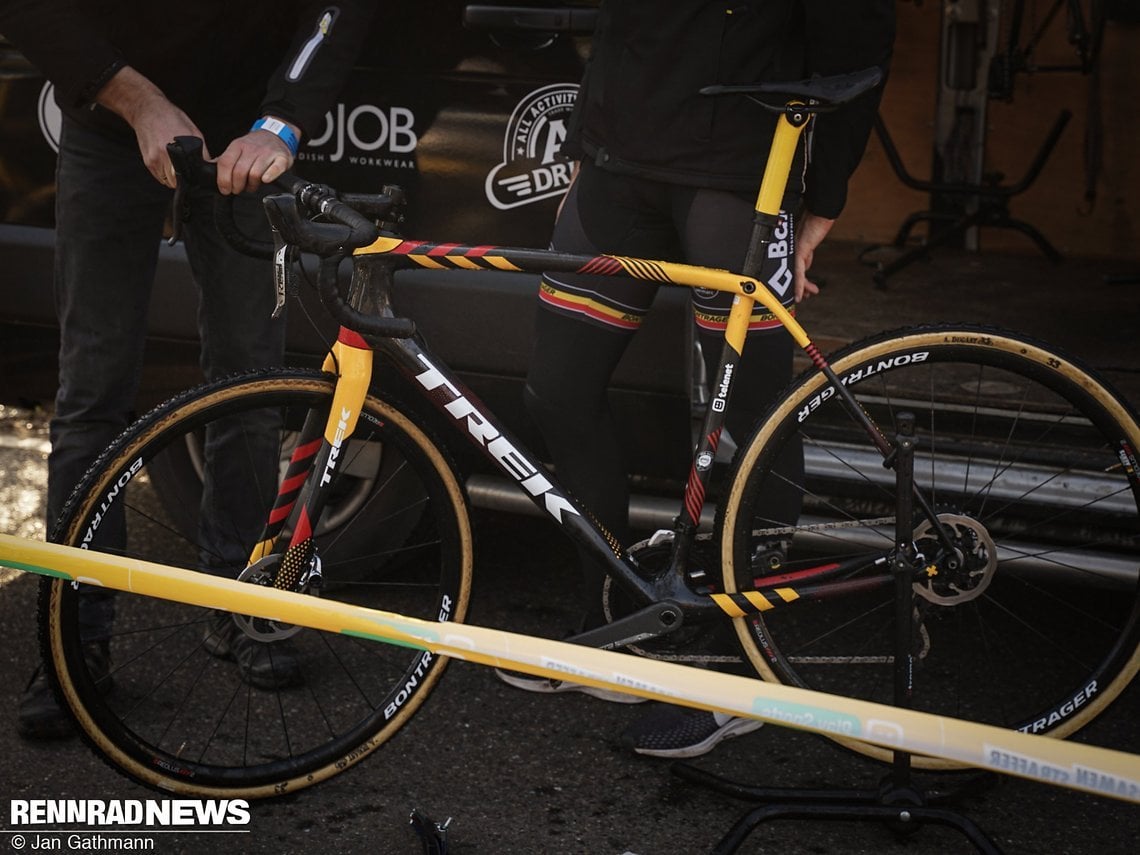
(767, 213)
(770, 198)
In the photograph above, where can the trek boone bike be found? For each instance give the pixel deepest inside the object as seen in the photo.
(1026, 517)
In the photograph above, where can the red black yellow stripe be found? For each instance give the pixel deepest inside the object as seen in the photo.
(636, 268)
(602, 265)
(585, 305)
(695, 488)
(294, 479)
(440, 256)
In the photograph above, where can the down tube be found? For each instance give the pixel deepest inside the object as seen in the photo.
(467, 414)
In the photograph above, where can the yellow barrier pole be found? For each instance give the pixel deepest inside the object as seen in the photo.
(1092, 769)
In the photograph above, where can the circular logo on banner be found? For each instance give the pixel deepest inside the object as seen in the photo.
(529, 171)
(51, 120)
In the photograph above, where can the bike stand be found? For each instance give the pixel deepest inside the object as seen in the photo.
(898, 801)
(991, 205)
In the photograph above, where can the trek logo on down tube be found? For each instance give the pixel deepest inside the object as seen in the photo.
(497, 445)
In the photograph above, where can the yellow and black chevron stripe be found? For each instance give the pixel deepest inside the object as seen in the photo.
(751, 602)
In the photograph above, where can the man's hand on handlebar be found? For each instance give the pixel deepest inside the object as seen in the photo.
(343, 228)
(257, 158)
(250, 161)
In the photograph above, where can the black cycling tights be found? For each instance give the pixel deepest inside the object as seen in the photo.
(566, 394)
(578, 345)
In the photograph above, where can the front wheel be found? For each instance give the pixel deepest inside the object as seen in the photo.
(1033, 620)
(175, 710)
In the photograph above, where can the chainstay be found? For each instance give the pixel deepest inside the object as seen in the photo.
(713, 659)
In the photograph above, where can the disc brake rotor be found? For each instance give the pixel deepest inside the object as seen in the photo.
(965, 575)
(263, 573)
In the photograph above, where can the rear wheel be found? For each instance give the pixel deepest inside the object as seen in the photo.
(172, 713)
(1030, 464)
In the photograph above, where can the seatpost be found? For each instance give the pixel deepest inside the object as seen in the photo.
(766, 218)
(775, 181)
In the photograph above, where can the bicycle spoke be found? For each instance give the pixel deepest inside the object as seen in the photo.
(1019, 457)
(264, 704)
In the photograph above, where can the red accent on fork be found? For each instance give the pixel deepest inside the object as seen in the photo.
(291, 484)
(304, 529)
(352, 339)
(280, 512)
(307, 450)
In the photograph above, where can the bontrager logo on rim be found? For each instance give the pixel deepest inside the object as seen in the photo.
(529, 172)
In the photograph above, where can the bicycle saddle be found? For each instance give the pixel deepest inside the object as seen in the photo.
(820, 92)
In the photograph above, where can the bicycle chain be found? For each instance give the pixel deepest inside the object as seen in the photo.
(795, 529)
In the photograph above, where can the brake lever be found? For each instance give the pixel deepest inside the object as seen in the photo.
(285, 258)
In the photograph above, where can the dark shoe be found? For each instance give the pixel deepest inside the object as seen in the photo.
(669, 731)
(39, 715)
(531, 683)
(262, 664)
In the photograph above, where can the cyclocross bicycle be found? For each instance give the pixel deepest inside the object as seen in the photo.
(1026, 525)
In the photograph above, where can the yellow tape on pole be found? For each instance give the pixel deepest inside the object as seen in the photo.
(1101, 771)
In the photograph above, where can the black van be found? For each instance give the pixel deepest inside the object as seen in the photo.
(463, 105)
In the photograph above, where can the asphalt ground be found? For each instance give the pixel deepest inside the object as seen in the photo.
(519, 773)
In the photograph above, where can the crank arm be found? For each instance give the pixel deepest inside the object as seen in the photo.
(652, 621)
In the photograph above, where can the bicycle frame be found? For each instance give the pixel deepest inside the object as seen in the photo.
(666, 599)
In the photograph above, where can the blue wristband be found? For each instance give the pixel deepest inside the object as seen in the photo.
(279, 129)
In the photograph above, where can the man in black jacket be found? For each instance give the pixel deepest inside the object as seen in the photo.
(251, 78)
(667, 173)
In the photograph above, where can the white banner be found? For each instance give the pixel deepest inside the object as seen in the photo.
(1067, 764)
